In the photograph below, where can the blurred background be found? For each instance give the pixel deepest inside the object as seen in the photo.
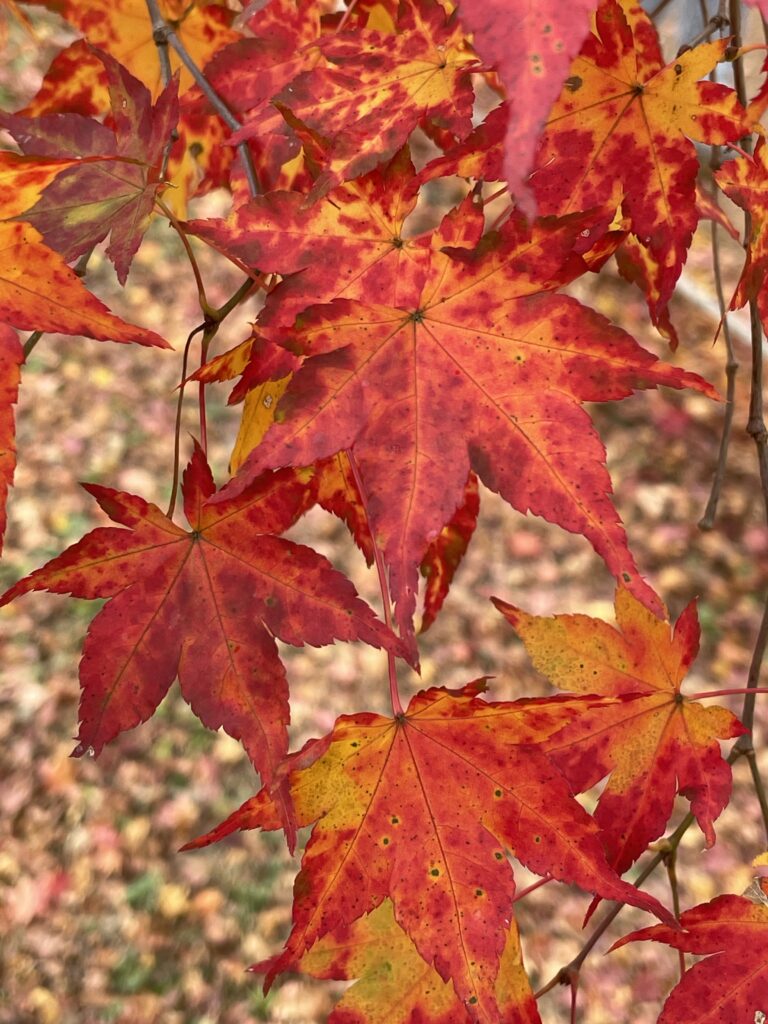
(102, 920)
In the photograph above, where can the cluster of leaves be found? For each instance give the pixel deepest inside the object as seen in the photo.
(388, 373)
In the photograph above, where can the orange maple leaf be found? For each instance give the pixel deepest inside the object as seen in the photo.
(39, 292)
(11, 358)
(396, 985)
(630, 721)
(420, 809)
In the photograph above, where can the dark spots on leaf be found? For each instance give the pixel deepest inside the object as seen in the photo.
(394, 820)
(499, 855)
(626, 577)
(678, 69)
(196, 150)
(270, 601)
(354, 743)
(435, 872)
(479, 892)
(537, 839)
(574, 83)
(472, 1000)
(385, 841)
(497, 793)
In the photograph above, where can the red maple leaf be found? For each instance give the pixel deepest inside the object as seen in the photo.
(116, 172)
(731, 984)
(375, 88)
(531, 45)
(478, 366)
(420, 809)
(204, 604)
(396, 985)
(745, 181)
(626, 116)
(347, 244)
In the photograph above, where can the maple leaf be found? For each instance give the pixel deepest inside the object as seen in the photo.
(732, 983)
(346, 244)
(39, 292)
(378, 90)
(395, 985)
(249, 72)
(745, 181)
(111, 188)
(419, 809)
(480, 155)
(446, 552)
(531, 45)
(631, 723)
(11, 359)
(476, 367)
(123, 29)
(204, 604)
(623, 114)
(22, 179)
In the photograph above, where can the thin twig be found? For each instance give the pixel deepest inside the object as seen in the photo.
(201, 297)
(397, 707)
(707, 521)
(163, 34)
(177, 431)
(670, 863)
(532, 888)
(757, 431)
(161, 42)
(562, 977)
(745, 743)
(31, 341)
(716, 23)
(659, 8)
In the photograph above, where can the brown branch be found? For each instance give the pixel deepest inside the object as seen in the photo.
(667, 847)
(757, 431)
(163, 34)
(160, 41)
(707, 521)
(716, 23)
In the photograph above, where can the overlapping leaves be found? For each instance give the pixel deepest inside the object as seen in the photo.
(630, 720)
(477, 366)
(626, 116)
(420, 809)
(113, 176)
(731, 984)
(205, 604)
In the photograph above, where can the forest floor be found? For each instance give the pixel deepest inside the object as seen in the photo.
(102, 919)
